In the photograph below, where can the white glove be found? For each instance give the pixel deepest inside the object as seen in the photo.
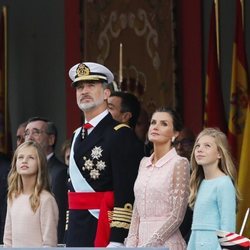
(113, 244)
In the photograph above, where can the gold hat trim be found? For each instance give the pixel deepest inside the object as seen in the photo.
(83, 73)
(90, 77)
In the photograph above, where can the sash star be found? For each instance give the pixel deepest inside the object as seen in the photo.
(96, 152)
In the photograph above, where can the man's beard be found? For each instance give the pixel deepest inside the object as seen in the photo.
(90, 105)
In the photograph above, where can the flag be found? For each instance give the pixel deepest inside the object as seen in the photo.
(214, 107)
(244, 175)
(239, 123)
(232, 241)
(5, 139)
(239, 88)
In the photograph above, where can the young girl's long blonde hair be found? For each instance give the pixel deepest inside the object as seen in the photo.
(226, 164)
(42, 182)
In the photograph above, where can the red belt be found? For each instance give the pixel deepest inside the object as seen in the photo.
(95, 200)
(82, 200)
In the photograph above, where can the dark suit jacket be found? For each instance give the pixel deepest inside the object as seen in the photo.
(185, 226)
(4, 170)
(58, 182)
(120, 152)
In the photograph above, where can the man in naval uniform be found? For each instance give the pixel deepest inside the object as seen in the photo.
(104, 161)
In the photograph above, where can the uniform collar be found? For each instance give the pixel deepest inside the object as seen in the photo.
(96, 119)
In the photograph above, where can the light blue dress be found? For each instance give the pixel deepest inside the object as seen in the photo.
(215, 209)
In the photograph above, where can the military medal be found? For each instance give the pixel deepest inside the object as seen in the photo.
(90, 165)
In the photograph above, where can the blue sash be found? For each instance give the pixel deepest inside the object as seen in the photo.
(78, 181)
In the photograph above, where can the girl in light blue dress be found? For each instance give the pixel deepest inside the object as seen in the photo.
(213, 193)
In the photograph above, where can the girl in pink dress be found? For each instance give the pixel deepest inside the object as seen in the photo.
(32, 212)
(161, 188)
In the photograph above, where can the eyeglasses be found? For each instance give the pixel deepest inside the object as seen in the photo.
(183, 142)
(34, 132)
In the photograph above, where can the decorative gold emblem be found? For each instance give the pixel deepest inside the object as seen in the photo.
(82, 70)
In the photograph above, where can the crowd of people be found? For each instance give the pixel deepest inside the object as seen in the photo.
(124, 179)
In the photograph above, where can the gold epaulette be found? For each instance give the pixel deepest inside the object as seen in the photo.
(121, 126)
(121, 216)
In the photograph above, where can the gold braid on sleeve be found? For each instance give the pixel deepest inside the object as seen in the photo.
(121, 216)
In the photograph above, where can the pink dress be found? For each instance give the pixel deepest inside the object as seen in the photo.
(161, 197)
(24, 228)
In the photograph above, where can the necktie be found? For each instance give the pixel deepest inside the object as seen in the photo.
(85, 128)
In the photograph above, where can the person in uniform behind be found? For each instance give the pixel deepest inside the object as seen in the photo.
(104, 161)
(124, 107)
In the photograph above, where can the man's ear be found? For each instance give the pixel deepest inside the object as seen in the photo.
(126, 117)
(107, 94)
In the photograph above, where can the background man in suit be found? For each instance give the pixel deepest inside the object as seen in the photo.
(44, 132)
(20, 133)
(104, 161)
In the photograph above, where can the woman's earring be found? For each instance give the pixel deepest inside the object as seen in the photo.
(173, 138)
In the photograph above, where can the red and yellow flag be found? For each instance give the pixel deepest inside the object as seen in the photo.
(244, 176)
(5, 139)
(214, 107)
(239, 88)
(239, 120)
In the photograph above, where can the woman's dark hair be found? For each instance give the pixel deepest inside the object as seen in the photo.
(177, 121)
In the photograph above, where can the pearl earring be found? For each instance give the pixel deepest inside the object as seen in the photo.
(173, 138)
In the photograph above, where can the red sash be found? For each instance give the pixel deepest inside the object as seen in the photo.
(95, 200)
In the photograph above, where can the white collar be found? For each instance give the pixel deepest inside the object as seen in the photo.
(49, 156)
(94, 122)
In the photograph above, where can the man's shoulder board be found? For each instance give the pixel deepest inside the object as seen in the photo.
(117, 127)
